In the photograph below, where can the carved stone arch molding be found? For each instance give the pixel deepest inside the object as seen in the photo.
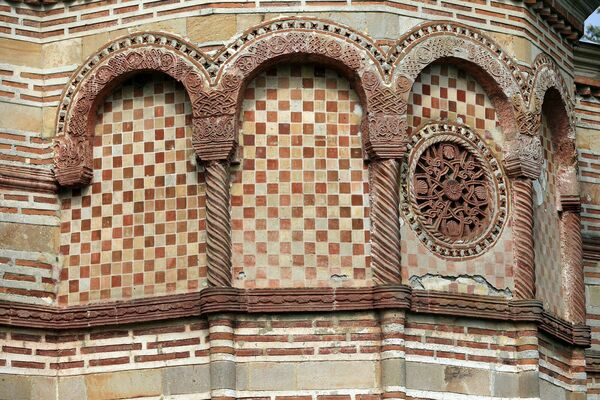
(304, 40)
(147, 51)
(432, 41)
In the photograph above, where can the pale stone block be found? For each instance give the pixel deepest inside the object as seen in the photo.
(43, 388)
(186, 379)
(18, 116)
(393, 372)
(124, 384)
(65, 52)
(529, 384)
(593, 295)
(550, 391)
(246, 21)
(467, 380)
(29, 237)
(516, 46)
(15, 387)
(588, 139)
(271, 376)
(590, 192)
(383, 25)
(241, 376)
(177, 26)
(222, 375)
(506, 384)
(18, 52)
(423, 376)
(210, 28)
(337, 374)
(71, 388)
(49, 121)
(92, 43)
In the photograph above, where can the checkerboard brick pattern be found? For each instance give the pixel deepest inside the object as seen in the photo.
(139, 229)
(446, 93)
(546, 230)
(300, 203)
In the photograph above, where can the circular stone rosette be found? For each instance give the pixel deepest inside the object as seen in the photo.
(453, 191)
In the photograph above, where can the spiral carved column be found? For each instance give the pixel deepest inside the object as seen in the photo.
(385, 231)
(523, 239)
(573, 286)
(218, 223)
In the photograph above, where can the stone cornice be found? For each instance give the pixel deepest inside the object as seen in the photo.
(27, 178)
(587, 69)
(253, 301)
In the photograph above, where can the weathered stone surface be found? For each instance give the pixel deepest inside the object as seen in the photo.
(64, 52)
(49, 121)
(124, 384)
(18, 52)
(21, 117)
(71, 388)
(44, 388)
(186, 379)
(271, 376)
(550, 391)
(177, 26)
(518, 47)
(506, 384)
(28, 237)
(15, 387)
(337, 374)
(422, 376)
(92, 43)
(529, 384)
(393, 372)
(593, 295)
(222, 375)
(467, 380)
(202, 29)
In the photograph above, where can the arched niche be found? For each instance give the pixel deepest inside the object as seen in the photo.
(453, 101)
(139, 229)
(102, 72)
(300, 197)
(306, 40)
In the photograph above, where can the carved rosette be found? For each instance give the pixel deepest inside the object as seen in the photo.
(453, 191)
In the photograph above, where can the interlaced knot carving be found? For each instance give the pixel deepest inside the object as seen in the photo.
(453, 190)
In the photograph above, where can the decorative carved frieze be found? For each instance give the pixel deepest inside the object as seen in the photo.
(524, 157)
(232, 300)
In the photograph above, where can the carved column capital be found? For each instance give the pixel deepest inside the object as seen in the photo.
(73, 161)
(386, 135)
(214, 137)
(524, 157)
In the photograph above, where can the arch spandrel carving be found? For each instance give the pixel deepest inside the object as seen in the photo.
(100, 73)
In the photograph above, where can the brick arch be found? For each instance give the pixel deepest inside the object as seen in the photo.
(312, 40)
(102, 72)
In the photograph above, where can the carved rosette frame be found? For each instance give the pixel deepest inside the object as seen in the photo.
(453, 192)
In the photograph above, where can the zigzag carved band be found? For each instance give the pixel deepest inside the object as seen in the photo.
(232, 300)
